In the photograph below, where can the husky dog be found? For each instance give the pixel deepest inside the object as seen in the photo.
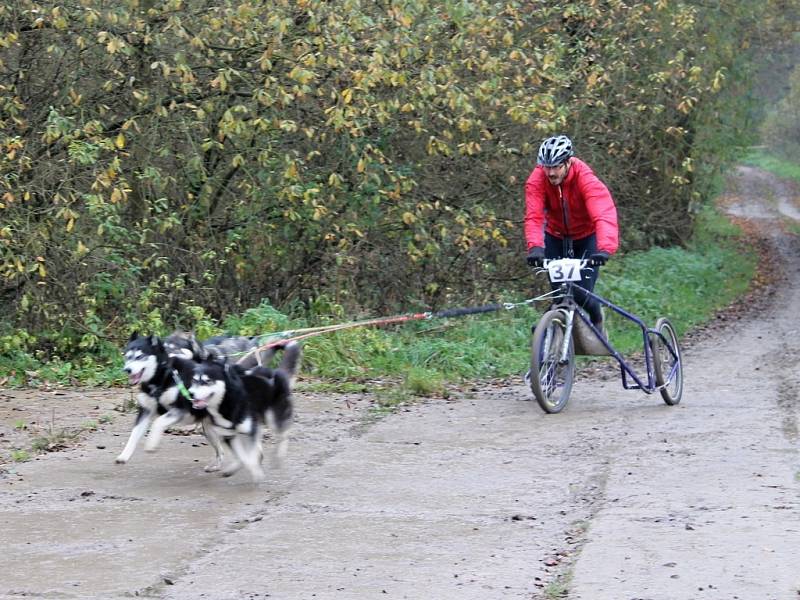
(241, 349)
(163, 397)
(239, 401)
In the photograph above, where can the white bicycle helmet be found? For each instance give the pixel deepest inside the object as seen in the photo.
(554, 151)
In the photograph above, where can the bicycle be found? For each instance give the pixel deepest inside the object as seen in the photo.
(559, 336)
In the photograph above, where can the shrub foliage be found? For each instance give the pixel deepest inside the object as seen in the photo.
(169, 161)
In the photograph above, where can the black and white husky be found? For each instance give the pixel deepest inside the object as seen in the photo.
(163, 397)
(239, 402)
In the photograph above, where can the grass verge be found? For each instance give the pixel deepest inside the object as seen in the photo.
(759, 157)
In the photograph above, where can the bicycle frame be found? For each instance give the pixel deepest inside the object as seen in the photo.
(567, 302)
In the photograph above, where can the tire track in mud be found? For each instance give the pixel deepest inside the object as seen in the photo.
(786, 369)
(768, 207)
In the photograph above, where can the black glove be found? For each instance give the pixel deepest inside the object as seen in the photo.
(536, 256)
(599, 258)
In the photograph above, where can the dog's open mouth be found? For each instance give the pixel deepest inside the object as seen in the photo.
(135, 378)
(200, 403)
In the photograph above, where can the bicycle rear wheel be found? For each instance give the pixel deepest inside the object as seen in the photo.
(667, 362)
(551, 378)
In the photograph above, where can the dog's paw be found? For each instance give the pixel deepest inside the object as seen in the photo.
(212, 468)
(121, 460)
(230, 470)
(151, 447)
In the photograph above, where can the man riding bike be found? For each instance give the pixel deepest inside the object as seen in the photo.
(569, 213)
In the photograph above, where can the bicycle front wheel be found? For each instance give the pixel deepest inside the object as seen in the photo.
(667, 362)
(552, 374)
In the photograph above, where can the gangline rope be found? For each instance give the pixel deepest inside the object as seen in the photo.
(280, 338)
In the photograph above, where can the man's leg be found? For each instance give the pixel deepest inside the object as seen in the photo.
(584, 248)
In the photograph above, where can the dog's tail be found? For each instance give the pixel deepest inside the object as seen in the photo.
(290, 361)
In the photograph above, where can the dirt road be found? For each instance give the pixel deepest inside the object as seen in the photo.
(481, 496)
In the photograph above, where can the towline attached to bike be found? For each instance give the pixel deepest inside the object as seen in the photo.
(279, 338)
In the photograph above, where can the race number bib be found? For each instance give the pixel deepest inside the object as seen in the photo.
(564, 269)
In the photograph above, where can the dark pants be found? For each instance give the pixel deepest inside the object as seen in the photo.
(583, 248)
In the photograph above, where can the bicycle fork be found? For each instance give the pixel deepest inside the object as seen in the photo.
(563, 351)
(563, 354)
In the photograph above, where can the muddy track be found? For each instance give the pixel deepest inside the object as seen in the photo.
(480, 496)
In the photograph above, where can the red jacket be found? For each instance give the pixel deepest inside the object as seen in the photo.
(590, 208)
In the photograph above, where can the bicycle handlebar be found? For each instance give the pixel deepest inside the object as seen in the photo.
(585, 262)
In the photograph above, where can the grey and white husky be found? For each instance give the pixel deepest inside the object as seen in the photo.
(240, 349)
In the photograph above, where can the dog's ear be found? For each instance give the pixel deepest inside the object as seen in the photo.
(134, 335)
(156, 342)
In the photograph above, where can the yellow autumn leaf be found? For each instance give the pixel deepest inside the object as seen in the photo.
(409, 218)
(302, 76)
(114, 44)
(120, 141)
(719, 78)
(291, 171)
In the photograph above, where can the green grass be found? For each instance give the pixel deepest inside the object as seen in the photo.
(20, 455)
(558, 588)
(758, 157)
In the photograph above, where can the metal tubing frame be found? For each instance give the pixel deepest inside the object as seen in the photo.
(625, 369)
